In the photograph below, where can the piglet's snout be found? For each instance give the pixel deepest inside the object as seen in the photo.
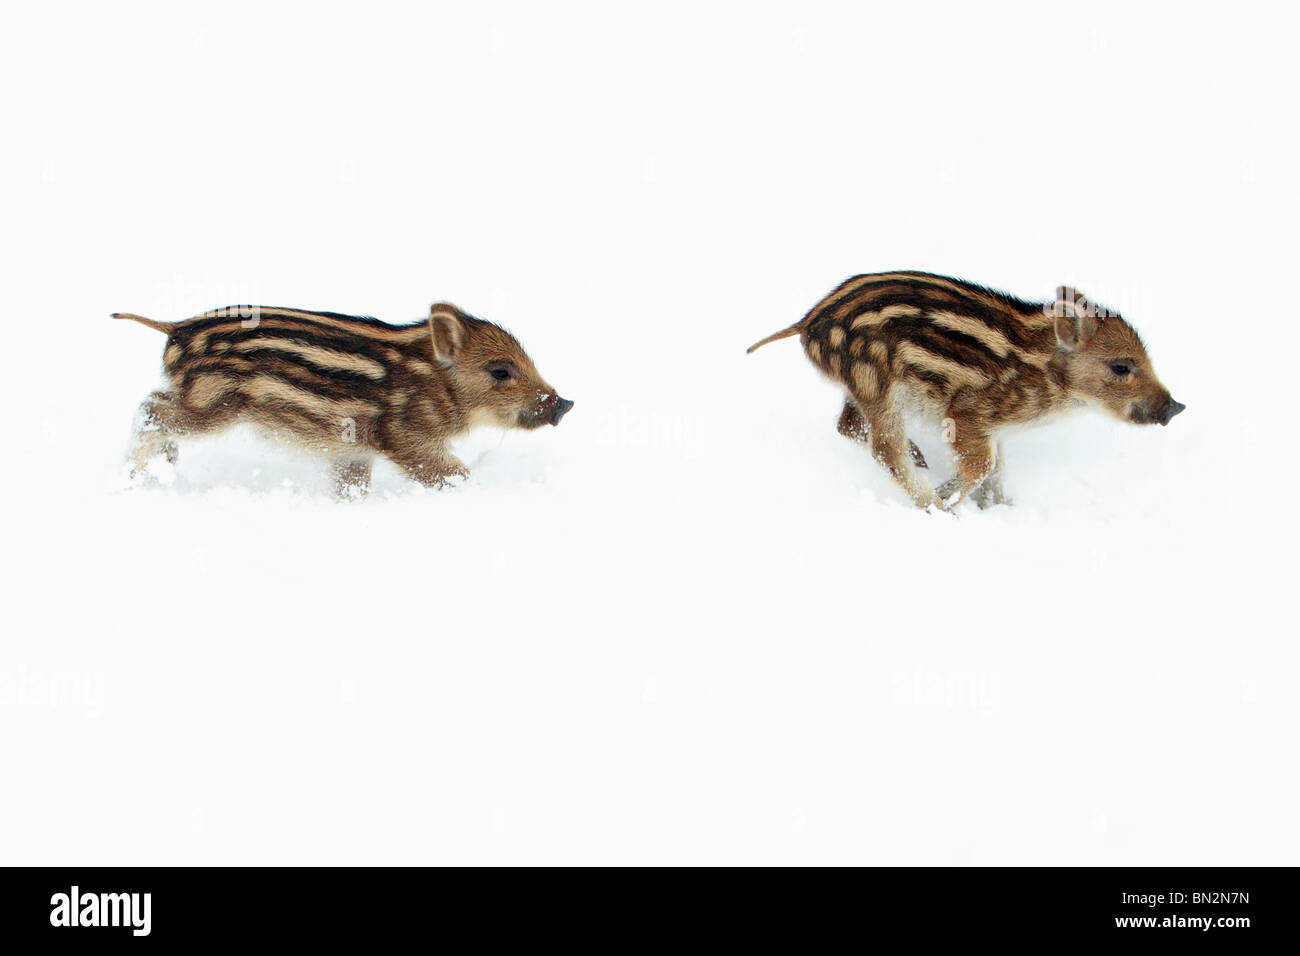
(562, 406)
(1171, 409)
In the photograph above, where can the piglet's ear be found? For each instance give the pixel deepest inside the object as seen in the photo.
(448, 332)
(1075, 318)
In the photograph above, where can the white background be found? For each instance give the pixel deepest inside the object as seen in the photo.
(693, 624)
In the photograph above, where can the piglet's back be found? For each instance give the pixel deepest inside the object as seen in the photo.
(306, 370)
(940, 336)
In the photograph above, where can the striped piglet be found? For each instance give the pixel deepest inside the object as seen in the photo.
(348, 387)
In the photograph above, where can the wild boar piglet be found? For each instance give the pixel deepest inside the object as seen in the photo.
(976, 361)
(351, 388)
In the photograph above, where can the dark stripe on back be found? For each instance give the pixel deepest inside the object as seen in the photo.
(238, 313)
(923, 280)
(945, 343)
(926, 301)
(927, 375)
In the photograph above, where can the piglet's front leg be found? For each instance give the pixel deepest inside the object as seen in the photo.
(991, 492)
(433, 467)
(973, 451)
(988, 494)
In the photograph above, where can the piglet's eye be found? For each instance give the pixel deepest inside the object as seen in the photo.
(500, 374)
(1121, 368)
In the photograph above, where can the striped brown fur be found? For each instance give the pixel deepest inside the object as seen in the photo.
(349, 387)
(977, 360)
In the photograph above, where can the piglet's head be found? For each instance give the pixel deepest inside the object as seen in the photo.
(497, 381)
(1106, 363)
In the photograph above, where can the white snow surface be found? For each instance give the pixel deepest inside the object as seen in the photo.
(692, 623)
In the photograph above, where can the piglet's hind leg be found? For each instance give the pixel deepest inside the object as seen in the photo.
(853, 425)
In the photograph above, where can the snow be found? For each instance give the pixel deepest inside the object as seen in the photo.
(692, 623)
